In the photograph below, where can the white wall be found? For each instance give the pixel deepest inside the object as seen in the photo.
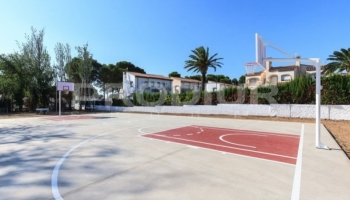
(334, 112)
(128, 84)
(209, 87)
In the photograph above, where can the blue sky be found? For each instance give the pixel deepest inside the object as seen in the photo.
(158, 35)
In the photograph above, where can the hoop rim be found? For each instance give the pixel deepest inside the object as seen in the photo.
(250, 67)
(66, 91)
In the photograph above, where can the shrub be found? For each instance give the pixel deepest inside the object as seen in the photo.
(301, 90)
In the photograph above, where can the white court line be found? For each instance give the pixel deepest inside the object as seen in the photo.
(297, 173)
(237, 129)
(144, 133)
(235, 154)
(157, 133)
(54, 177)
(261, 152)
(252, 131)
(221, 138)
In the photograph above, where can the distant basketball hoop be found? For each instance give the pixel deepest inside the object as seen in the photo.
(250, 67)
(66, 87)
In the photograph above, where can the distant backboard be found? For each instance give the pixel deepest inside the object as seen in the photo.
(260, 49)
(64, 86)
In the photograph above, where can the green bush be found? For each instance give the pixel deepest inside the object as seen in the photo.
(120, 102)
(301, 90)
(336, 90)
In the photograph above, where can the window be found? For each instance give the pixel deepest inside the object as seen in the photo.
(273, 80)
(253, 81)
(154, 91)
(147, 90)
(144, 84)
(286, 77)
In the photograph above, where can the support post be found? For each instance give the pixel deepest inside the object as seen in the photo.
(319, 144)
(59, 107)
(316, 62)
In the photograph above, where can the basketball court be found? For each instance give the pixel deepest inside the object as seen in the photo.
(150, 156)
(144, 156)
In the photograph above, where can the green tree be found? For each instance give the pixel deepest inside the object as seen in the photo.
(84, 69)
(104, 77)
(38, 67)
(96, 69)
(211, 77)
(200, 61)
(108, 77)
(73, 73)
(195, 77)
(12, 80)
(128, 66)
(234, 81)
(241, 79)
(63, 58)
(72, 70)
(225, 80)
(340, 62)
(174, 74)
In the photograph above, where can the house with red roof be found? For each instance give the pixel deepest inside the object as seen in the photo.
(280, 74)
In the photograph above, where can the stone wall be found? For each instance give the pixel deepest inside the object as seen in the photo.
(334, 112)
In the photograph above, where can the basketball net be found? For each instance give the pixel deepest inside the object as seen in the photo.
(250, 67)
(66, 91)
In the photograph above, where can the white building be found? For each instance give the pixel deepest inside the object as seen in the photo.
(181, 85)
(138, 82)
(213, 86)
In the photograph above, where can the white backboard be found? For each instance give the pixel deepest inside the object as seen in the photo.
(63, 86)
(260, 50)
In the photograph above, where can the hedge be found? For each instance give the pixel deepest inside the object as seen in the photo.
(301, 90)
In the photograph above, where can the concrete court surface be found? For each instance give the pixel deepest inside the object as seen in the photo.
(104, 156)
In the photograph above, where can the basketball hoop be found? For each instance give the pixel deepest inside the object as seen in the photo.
(65, 89)
(250, 67)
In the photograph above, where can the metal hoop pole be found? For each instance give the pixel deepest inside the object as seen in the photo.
(59, 107)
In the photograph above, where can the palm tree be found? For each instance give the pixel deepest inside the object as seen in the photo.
(200, 62)
(340, 62)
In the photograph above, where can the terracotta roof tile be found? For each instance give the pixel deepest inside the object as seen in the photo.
(313, 68)
(186, 80)
(150, 76)
(283, 68)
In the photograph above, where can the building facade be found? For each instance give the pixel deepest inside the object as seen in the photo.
(149, 83)
(273, 75)
(182, 85)
(213, 86)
